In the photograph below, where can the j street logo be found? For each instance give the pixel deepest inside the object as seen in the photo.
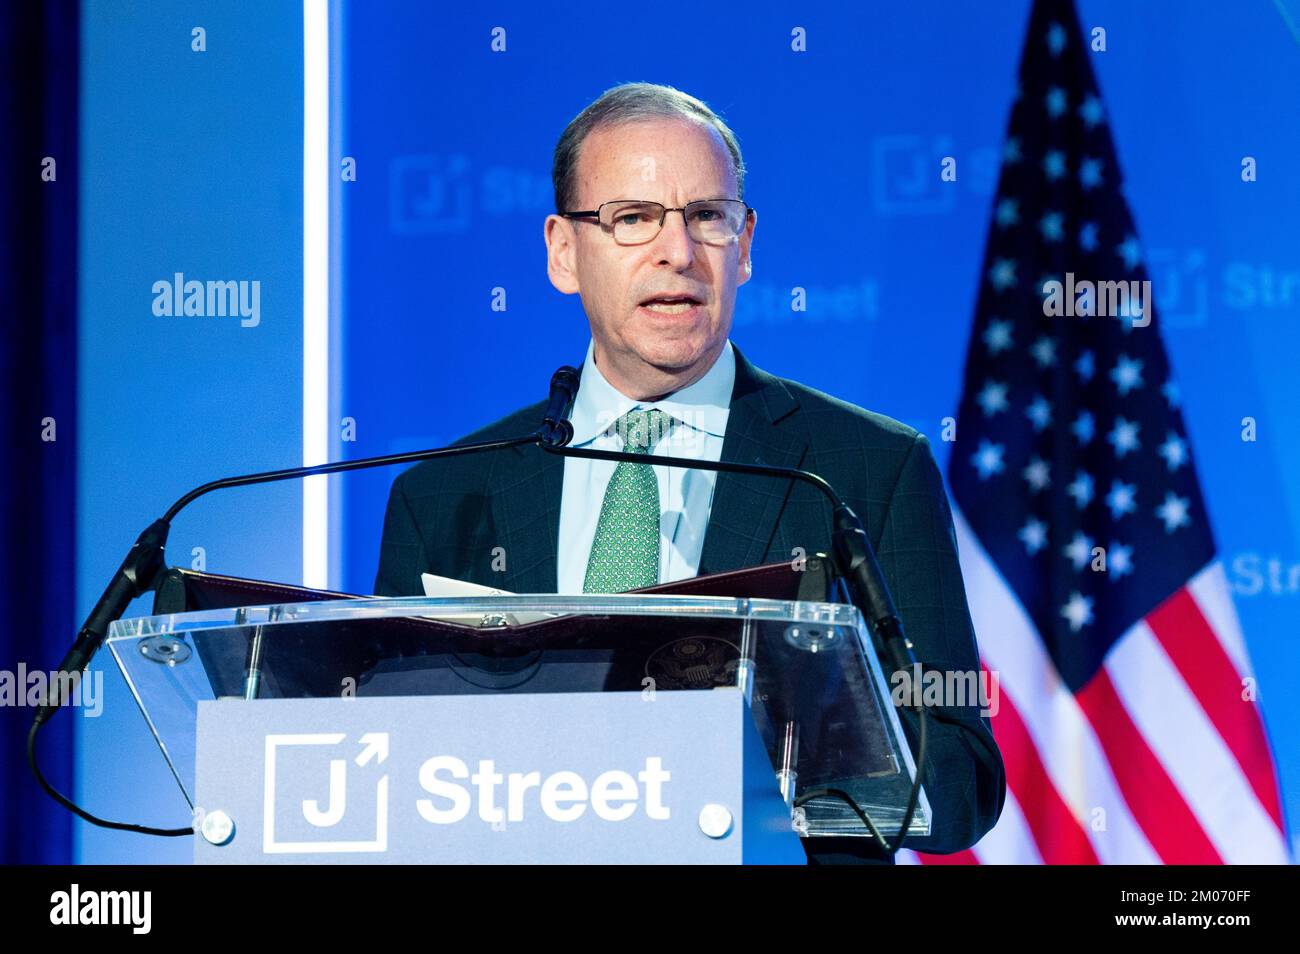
(290, 758)
(432, 194)
(354, 813)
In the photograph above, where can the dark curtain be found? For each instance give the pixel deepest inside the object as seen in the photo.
(39, 51)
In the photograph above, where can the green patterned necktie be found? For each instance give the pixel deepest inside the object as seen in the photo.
(625, 551)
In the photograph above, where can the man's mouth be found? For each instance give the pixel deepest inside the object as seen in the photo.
(670, 304)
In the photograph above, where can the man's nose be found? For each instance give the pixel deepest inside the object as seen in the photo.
(673, 245)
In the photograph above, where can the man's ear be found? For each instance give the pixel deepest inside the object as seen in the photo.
(746, 241)
(561, 254)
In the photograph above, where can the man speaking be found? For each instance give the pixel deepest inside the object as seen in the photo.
(652, 231)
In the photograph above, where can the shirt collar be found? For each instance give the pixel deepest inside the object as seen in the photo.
(704, 405)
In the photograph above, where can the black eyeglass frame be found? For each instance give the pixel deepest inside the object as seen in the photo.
(595, 213)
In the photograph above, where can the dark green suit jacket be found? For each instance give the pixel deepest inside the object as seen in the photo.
(447, 516)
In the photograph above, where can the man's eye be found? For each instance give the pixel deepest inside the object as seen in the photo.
(636, 215)
(705, 215)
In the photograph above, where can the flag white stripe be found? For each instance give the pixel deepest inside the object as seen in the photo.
(1062, 734)
(1010, 841)
(1174, 725)
(1209, 588)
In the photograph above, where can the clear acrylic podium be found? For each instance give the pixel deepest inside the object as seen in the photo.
(631, 728)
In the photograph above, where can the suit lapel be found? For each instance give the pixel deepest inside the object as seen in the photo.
(524, 488)
(746, 509)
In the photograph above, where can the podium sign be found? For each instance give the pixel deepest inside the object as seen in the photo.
(646, 778)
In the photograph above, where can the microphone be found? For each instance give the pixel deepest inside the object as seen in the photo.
(145, 563)
(853, 559)
(142, 566)
(852, 555)
(556, 429)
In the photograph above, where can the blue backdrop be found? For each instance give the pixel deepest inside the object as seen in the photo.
(453, 144)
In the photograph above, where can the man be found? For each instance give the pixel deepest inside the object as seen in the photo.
(658, 284)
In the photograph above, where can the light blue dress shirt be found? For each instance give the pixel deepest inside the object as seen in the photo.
(685, 496)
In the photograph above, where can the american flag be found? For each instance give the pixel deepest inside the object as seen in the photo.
(1125, 703)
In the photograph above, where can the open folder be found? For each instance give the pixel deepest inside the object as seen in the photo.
(182, 591)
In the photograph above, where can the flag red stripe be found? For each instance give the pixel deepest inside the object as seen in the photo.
(1156, 804)
(1058, 836)
(1204, 665)
(964, 857)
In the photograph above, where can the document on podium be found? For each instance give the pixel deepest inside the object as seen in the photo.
(435, 585)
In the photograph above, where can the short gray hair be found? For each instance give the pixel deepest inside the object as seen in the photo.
(633, 102)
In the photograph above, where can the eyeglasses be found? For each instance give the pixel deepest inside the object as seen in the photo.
(632, 222)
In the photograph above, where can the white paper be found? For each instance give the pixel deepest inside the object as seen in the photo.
(447, 586)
